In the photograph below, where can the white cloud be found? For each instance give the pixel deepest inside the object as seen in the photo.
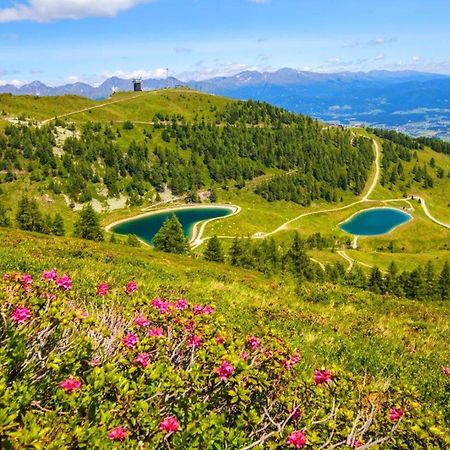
(50, 10)
(16, 83)
(201, 72)
(154, 73)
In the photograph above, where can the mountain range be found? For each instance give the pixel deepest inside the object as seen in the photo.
(414, 102)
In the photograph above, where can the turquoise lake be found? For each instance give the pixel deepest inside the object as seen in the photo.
(146, 227)
(375, 221)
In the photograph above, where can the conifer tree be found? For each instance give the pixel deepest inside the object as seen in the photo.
(170, 238)
(214, 251)
(88, 225)
(444, 282)
(4, 219)
(58, 228)
(133, 241)
(376, 283)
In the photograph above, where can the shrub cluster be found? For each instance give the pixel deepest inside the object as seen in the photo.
(101, 366)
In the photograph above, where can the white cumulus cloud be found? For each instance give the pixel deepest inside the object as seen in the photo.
(50, 10)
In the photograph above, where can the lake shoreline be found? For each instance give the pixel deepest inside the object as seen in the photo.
(196, 233)
(362, 211)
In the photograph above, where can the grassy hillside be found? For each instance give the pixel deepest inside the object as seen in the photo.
(391, 341)
(417, 241)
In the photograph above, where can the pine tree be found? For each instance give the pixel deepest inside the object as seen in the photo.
(113, 239)
(88, 225)
(430, 280)
(4, 219)
(444, 282)
(170, 238)
(376, 283)
(235, 251)
(214, 251)
(296, 259)
(213, 196)
(58, 225)
(28, 216)
(133, 241)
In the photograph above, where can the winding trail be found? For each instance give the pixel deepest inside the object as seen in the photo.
(90, 108)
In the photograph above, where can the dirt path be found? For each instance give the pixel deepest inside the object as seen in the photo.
(90, 108)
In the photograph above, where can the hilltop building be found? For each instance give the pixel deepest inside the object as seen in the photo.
(137, 84)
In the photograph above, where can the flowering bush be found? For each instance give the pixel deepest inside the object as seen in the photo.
(107, 371)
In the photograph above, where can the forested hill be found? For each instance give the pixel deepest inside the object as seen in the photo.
(228, 142)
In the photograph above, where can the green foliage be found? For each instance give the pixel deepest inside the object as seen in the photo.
(4, 218)
(133, 241)
(214, 251)
(88, 225)
(73, 371)
(170, 238)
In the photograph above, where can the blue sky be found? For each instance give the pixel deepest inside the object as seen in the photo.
(59, 41)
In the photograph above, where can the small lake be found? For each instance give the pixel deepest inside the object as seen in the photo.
(145, 227)
(375, 221)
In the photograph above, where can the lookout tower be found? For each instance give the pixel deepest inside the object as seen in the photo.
(137, 84)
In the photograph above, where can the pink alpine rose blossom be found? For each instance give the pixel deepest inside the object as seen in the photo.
(21, 315)
(131, 287)
(181, 304)
(6, 276)
(395, 414)
(322, 377)
(194, 341)
(445, 371)
(356, 444)
(225, 370)
(141, 321)
(102, 289)
(155, 332)
(170, 425)
(26, 279)
(219, 340)
(64, 282)
(142, 359)
(70, 385)
(130, 340)
(297, 439)
(49, 275)
(162, 305)
(118, 434)
(253, 342)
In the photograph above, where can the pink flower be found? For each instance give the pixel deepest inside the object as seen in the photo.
(297, 439)
(170, 425)
(64, 282)
(395, 414)
(83, 314)
(118, 434)
(322, 376)
(356, 444)
(189, 325)
(6, 276)
(181, 304)
(292, 361)
(49, 275)
(21, 315)
(141, 321)
(131, 287)
(163, 306)
(225, 370)
(142, 359)
(219, 340)
(445, 371)
(102, 289)
(26, 279)
(194, 341)
(253, 342)
(130, 340)
(155, 332)
(70, 385)
(199, 309)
